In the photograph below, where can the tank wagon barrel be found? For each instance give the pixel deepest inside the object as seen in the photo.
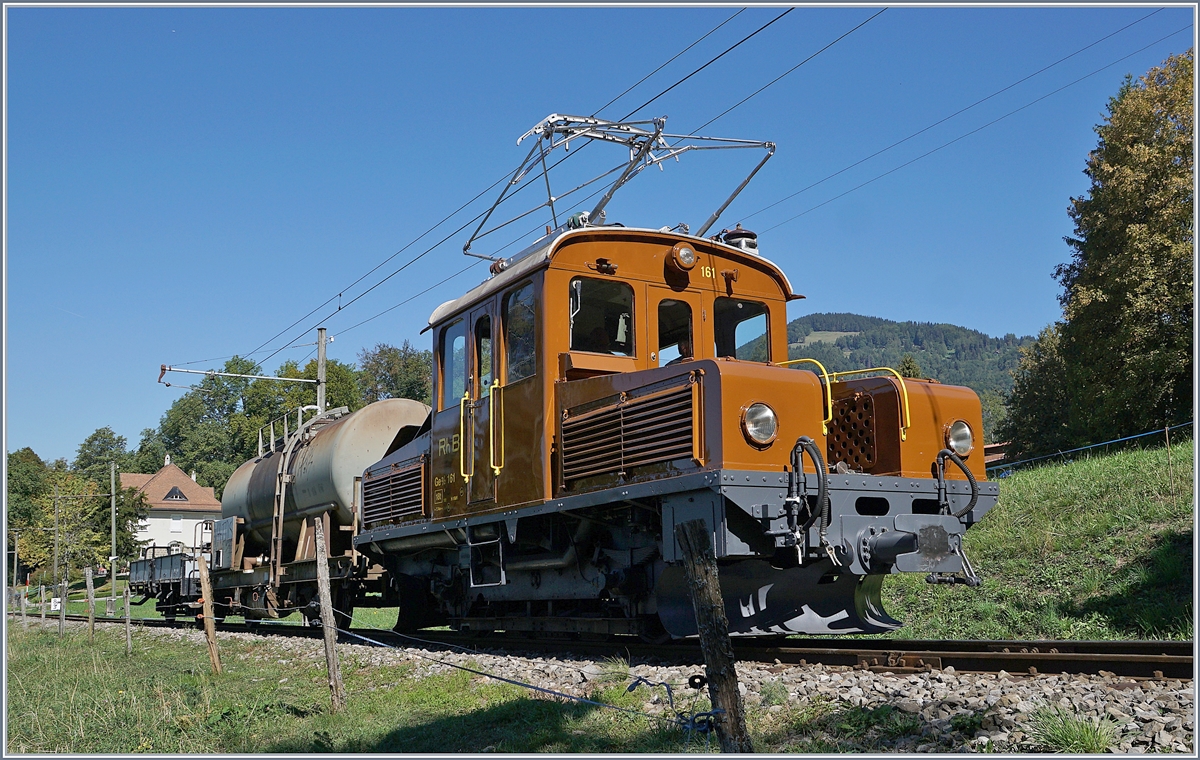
(261, 552)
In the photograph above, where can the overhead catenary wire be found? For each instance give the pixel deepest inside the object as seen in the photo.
(977, 129)
(943, 120)
(718, 57)
(789, 71)
(238, 356)
(490, 187)
(668, 62)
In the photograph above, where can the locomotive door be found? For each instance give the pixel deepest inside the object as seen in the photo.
(449, 447)
(678, 326)
(483, 396)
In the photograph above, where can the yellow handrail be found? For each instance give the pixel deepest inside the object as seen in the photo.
(828, 390)
(494, 421)
(462, 437)
(903, 391)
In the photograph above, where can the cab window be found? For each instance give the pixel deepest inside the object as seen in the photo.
(674, 332)
(519, 335)
(454, 363)
(601, 316)
(483, 354)
(740, 329)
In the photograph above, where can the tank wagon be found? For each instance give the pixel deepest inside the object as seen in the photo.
(601, 387)
(262, 553)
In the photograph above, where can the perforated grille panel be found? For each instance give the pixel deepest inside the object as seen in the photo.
(852, 432)
(394, 495)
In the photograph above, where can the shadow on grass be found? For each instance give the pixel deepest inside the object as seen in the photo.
(519, 725)
(1151, 596)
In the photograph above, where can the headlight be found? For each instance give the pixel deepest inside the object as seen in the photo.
(683, 257)
(760, 424)
(959, 438)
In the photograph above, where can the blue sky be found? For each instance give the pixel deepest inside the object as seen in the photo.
(184, 183)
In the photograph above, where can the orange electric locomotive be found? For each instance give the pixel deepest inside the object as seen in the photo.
(608, 383)
(602, 386)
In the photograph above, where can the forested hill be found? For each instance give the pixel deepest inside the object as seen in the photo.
(947, 353)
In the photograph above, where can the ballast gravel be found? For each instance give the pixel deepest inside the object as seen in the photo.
(995, 708)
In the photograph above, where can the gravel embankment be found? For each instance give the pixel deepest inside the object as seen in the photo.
(1151, 716)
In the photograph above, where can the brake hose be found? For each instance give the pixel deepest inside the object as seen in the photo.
(807, 445)
(942, 456)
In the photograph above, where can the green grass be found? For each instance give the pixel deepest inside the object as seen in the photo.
(1057, 731)
(65, 695)
(1098, 548)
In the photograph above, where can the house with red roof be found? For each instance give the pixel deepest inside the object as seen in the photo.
(178, 504)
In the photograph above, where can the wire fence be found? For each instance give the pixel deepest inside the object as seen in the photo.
(1005, 469)
(691, 722)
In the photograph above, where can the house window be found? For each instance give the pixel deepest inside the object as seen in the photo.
(175, 495)
(176, 523)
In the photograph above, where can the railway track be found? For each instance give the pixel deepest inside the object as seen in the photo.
(1129, 659)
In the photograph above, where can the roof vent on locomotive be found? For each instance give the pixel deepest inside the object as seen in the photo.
(605, 384)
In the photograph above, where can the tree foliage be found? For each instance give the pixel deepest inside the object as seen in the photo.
(388, 371)
(1120, 362)
(909, 367)
(84, 514)
(1127, 292)
(94, 456)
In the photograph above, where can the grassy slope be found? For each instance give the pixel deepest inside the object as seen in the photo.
(1098, 548)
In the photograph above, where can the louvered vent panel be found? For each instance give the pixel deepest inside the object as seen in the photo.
(852, 432)
(396, 495)
(634, 432)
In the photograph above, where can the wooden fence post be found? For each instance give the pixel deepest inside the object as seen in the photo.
(700, 565)
(328, 623)
(128, 630)
(87, 575)
(62, 609)
(42, 598)
(210, 627)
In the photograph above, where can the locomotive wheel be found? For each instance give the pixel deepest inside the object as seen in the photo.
(653, 632)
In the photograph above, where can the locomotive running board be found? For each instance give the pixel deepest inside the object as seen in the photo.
(762, 600)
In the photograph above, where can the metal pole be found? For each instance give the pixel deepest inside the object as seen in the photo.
(110, 607)
(320, 370)
(16, 540)
(128, 632)
(56, 534)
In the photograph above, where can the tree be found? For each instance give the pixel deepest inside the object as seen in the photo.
(94, 456)
(1126, 339)
(1038, 417)
(390, 372)
(27, 480)
(909, 367)
(150, 454)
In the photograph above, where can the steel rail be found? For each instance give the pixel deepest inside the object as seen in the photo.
(1130, 659)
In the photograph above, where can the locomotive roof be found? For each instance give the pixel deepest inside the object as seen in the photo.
(541, 252)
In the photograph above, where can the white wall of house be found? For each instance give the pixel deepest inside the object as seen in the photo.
(163, 527)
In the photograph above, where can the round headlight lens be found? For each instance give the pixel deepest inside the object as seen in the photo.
(959, 438)
(760, 424)
(683, 256)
